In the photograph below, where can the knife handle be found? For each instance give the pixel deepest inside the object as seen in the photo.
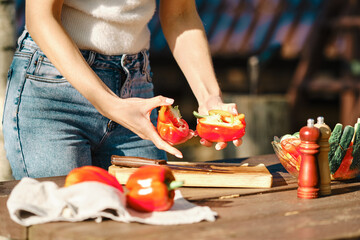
(126, 161)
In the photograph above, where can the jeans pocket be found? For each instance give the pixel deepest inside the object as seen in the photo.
(43, 80)
(44, 69)
(24, 53)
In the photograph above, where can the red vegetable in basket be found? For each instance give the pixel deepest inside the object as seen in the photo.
(171, 127)
(291, 144)
(151, 188)
(220, 126)
(345, 171)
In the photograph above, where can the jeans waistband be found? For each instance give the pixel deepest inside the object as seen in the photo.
(25, 39)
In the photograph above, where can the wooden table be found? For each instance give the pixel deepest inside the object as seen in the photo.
(274, 213)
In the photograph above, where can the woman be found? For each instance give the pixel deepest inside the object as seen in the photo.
(79, 88)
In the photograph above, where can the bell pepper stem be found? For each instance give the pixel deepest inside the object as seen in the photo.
(198, 115)
(175, 184)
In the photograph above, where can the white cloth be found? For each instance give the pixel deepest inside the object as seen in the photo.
(33, 202)
(110, 27)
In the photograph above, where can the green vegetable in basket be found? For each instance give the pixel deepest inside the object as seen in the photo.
(341, 149)
(334, 140)
(356, 148)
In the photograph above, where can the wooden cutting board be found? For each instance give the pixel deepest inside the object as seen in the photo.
(234, 175)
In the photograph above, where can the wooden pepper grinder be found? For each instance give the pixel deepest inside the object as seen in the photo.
(308, 180)
(323, 157)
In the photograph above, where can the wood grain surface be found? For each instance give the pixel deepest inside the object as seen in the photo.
(244, 213)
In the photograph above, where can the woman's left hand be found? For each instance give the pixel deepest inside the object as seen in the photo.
(217, 103)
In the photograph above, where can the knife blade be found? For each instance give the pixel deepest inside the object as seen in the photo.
(126, 161)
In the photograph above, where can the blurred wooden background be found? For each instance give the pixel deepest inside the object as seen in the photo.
(281, 61)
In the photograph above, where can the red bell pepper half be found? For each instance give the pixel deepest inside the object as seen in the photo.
(151, 188)
(220, 126)
(171, 127)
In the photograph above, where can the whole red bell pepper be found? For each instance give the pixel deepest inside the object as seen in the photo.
(151, 188)
(171, 127)
(91, 173)
(220, 126)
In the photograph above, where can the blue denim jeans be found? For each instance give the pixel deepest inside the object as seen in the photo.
(50, 128)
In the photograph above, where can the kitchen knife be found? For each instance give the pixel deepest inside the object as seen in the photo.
(126, 161)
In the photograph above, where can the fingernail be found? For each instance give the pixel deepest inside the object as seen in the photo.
(179, 155)
(217, 147)
(169, 100)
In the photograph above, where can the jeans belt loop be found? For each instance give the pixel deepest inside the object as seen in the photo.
(21, 39)
(91, 58)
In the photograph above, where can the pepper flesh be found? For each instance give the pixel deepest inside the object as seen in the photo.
(149, 189)
(171, 127)
(91, 173)
(220, 126)
(292, 146)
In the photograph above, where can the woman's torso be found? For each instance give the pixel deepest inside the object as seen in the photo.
(110, 27)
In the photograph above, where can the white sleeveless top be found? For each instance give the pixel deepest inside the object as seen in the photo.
(111, 27)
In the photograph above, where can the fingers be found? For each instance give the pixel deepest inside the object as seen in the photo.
(237, 142)
(205, 143)
(220, 145)
(192, 133)
(230, 107)
(163, 145)
(155, 102)
(149, 132)
(162, 101)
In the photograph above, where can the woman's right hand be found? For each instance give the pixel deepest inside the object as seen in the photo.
(134, 114)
